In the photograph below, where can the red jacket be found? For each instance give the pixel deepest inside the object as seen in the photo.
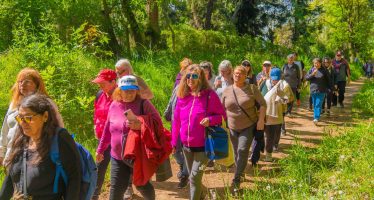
(149, 147)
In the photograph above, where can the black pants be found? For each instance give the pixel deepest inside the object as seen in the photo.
(272, 133)
(328, 100)
(119, 181)
(101, 170)
(341, 90)
(290, 105)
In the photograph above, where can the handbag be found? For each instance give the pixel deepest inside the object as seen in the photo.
(216, 140)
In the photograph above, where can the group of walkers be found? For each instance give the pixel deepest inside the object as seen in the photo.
(130, 132)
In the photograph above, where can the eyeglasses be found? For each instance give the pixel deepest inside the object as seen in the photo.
(193, 76)
(26, 119)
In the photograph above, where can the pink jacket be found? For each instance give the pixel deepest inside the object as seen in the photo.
(188, 113)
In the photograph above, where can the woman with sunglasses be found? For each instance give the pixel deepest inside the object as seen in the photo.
(240, 101)
(28, 82)
(30, 170)
(251, 78)
(197, 107)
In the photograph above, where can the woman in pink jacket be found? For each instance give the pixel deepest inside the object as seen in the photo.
(197, 107)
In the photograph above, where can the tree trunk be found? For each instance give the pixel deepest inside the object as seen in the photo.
(208, 15)
(134, 26)
(153, 29)
(113, 42)
(195, 15)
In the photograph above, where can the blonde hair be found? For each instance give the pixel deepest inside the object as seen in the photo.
(32, 74)
(241, 69)
(125, 63)
(185, 62)
(183, 89)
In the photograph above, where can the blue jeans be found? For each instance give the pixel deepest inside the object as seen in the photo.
(317, 99)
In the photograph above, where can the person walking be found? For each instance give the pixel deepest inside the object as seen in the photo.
(126, 97)
(208, 71)
(30, 170)
(197, 107)
(291, 74)
(28, 82)
(301, 66)
(331, 90)
(319, 84)
(106, 80)
(251, 77)
(263, 78)
(225, 77)
(276, 101)
(240, 101)
(342, 75)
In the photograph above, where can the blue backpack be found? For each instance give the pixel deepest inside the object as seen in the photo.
(88, 167)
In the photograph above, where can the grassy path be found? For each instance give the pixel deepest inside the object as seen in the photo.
(300, 128)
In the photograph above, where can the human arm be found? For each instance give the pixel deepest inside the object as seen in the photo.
(176, 125)
(70, 159)
(168, 113)
(145, 91)
(105, 138)
(311, 73)
(262, 111)
(4, 139)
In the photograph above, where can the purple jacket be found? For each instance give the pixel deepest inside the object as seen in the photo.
(188, 113)
(114, 127)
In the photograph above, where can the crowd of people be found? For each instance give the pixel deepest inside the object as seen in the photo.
(129, 128)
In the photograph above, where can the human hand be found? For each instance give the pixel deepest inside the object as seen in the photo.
(205, 122)
(349, 80)
(218, 83)
(260, 125)
(134, 124)
(99, 157)
(174, 150)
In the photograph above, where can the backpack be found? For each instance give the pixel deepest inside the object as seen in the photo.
(88, 168)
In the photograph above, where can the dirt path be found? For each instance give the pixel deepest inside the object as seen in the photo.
(299, 128)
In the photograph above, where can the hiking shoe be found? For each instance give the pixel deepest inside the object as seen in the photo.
(298, 102)
(328, 112)
(315, 121)
(183, 181)
(275, 148)
(283, 132)
(210, 163)
(180, 173)
(341, 105)
(288, 114)
(129, 193)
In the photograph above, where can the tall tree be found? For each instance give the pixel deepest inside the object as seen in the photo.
(208, 14)
(113, 42)
(153, 27)
(135, 29)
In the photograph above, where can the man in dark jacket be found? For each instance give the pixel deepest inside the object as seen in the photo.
(292, 75)
(342, 75)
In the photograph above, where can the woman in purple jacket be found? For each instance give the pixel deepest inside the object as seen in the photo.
(192, 114)
(125, 97)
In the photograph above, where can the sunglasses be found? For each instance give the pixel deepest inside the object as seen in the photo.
(193, 76)
(26, 119)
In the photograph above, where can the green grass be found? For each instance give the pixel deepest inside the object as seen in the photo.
(340, 168)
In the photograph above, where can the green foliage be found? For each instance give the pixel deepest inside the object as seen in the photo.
(364, 101)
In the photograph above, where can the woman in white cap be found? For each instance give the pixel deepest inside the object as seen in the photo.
(125, 98)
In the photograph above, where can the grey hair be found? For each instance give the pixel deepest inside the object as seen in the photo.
(290, 56)
(225, 64)
(123, 62)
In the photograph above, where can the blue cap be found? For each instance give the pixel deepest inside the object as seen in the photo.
(275, 74)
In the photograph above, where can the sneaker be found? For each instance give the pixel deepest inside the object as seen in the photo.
(275, 148)
(298, 102)
(288, 114)
(268, 157)
(129, 193)
(341, 105)
(183, 182)
(283, 132)
(210, 163)
(315, 121)
(328, 112)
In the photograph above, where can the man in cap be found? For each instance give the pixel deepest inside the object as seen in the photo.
(342, 75)
(106, 80)
(263, 76)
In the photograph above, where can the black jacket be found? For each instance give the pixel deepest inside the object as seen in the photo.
(40, 177)
(319, 82)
